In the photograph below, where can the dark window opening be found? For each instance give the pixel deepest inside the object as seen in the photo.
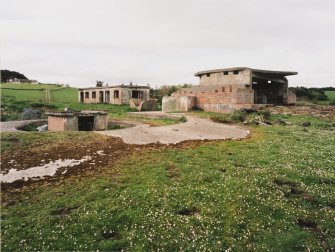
(235, 72)
(101, 96)
(136, 94)
(87, 95)
(116, 94)
(247, 86)
(81, 96)
(230, 89)
(85, 123)
(94, 94)
(208, 75)
(223, 89)
(216, 91)
(225, 73)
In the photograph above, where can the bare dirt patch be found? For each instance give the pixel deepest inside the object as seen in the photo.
(103, 151)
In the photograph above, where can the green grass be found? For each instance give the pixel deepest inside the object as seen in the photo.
(65, 95)
(330, 95)
(330, 100)
(29, 86)
(256, 194)
(21, 140)
(36, 92)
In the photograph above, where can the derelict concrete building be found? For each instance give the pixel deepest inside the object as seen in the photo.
(72, 121)
(120, 94)
(228, 89)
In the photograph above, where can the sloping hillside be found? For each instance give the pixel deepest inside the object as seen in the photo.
(38, 93)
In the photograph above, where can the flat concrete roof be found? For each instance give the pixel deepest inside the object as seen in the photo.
(283, 73)
(76, 113)
(117, 86)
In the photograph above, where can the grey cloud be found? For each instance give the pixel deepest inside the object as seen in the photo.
(160, 42)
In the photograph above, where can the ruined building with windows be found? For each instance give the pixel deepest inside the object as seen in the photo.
(120, 94)
(229, 89)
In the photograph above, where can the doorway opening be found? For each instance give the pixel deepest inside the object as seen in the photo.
(81, 96)
(107, 97)
(101, 96)
(267, 91)
(85, 123)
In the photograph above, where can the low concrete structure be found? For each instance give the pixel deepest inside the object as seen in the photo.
(229, 89)
(141, 105)
(120, 94)
(74, 121)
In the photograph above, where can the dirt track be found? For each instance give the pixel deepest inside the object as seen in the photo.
(194, 129)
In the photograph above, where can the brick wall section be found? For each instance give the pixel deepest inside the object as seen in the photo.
(224, 98)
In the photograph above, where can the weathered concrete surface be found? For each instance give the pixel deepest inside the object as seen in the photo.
(178, 104)
(193, 129)
(156, 114)
(11, 126)
(143, 105)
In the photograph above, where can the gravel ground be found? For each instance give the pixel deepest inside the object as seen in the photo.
(11, 126)
(193, 129)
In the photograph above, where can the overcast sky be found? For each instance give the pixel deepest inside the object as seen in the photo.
(166, 41)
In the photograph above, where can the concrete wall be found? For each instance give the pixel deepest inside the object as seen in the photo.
(70, 123)
(100, 122)
(291, 97)
(223, 98)
(243, 77)
(57, 123)
(124, 94)
(141, 105)
(178, 104)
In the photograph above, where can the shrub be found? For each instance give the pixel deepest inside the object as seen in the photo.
(221, 118)
(113, 126)
(265, 113)
(30, 113)
(238, 116)
(182, 119)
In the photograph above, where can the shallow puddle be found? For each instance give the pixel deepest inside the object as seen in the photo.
(49, 169)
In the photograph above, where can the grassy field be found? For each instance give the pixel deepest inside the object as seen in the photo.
(330, 95)
(31, 95)
(37, 93)
(271, 192)
(330, 99)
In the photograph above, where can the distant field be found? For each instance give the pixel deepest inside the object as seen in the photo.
(29, 86)
(330, 95)
(66, 94)
(38, 93)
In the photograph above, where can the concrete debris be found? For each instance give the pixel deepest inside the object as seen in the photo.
(43, 127)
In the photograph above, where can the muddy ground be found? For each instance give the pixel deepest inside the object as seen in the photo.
(113, 151)
(21, 159)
